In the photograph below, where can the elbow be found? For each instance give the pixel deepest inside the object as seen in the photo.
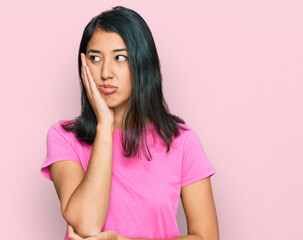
(82, 226)
(86, 231)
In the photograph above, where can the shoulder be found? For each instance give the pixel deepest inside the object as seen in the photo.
(187, 133)
(56, 130)
(188, 138)
(58, 124)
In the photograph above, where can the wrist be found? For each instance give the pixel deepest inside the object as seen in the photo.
(105, 126)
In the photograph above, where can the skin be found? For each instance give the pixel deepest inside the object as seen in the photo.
(106, 64)
(107, 67)
(200, 211)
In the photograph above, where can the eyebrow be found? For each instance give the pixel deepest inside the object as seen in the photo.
(98, 51)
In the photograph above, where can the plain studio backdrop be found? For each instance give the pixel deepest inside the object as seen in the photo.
(231, 69)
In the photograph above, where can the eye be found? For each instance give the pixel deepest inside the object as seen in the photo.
(124, 58)
(92, 58)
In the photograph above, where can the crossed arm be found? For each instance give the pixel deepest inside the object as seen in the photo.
(199, 207)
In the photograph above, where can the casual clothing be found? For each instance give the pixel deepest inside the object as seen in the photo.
(144, 194)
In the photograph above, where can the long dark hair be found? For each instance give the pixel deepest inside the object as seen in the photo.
(146, 101)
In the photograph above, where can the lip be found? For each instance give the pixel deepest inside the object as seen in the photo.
(107, 85)
(108, 89)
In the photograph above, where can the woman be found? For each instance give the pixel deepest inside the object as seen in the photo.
(107, 188)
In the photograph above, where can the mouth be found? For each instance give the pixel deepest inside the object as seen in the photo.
(108, 89)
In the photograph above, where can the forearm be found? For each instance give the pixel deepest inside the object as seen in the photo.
(187, 237)
(88, 206)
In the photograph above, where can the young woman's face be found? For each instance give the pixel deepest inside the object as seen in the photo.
(107, 59)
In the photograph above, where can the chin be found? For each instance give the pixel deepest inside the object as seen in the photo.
(111, 104)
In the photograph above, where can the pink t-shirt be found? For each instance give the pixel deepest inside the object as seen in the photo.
(144, 194)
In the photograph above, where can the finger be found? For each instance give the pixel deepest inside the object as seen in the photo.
(83, 64)
(71, 233)
(70, 229)
(87, 83)
(84, 76)
(83, 59)
(82, 68)
(75, 237)
(91, 80)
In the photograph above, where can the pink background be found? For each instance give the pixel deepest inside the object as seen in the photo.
(231, 69)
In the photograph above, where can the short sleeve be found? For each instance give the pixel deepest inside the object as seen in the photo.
(59, 148)
(195, 165)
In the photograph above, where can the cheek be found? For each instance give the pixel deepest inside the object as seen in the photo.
(129, 80)
(125, 90)
(94, 70)
(128, 86)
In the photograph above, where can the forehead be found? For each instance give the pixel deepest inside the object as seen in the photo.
(105, 41)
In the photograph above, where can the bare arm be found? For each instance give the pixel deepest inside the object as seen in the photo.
(85, 196)
(86, 207)
(199, 207)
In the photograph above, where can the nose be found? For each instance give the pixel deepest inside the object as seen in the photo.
(106, 70)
